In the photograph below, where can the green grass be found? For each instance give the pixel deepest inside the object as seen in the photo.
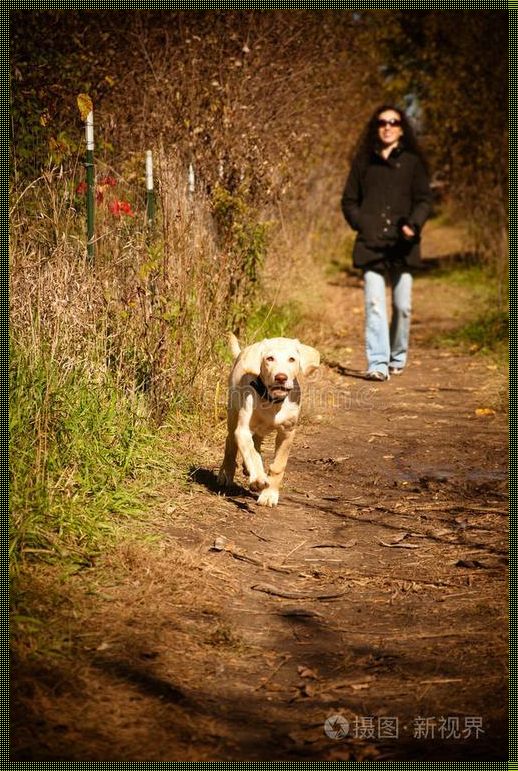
(488, 333)
(273, 321)
(80, 452)
(471, 275)
(488, 329)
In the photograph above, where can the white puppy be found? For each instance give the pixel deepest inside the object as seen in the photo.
(264, 396)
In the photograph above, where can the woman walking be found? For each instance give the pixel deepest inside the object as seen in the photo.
(387, 199)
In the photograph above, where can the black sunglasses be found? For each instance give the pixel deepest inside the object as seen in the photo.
(392, 122)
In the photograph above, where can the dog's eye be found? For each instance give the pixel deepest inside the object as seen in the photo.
(270, 358)
(291, 359)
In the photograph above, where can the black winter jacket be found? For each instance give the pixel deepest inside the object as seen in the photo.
(379, 197)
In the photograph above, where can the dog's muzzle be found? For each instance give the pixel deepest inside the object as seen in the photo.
(274, 394)
(279, 391)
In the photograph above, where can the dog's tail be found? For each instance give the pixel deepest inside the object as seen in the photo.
(234, 345)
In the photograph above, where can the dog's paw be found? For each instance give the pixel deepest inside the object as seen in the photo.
(259, 483)
(268, 497)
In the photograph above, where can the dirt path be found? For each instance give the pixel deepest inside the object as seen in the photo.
(376, 591)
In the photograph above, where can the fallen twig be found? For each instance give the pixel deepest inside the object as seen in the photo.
(293, 550)
(254, 561)
(357, 683)
(321, 559)
(451, 506)
(268, 589)
(434, 584)
(401, 637)
(431, 389)
(261, 537)
(221, 544)
(286, 657)
(298, 613)
(347, 545)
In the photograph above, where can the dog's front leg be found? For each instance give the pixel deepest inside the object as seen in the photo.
(283, 442)
(258, 441)
(251, 458)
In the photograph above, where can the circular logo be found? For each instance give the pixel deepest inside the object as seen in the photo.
(336, 727)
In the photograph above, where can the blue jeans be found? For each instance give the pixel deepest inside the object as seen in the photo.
(387, 346)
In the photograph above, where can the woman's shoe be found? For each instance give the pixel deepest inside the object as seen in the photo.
(376, 375)
(396, 371)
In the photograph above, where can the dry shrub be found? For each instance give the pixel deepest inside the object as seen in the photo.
(150, 312)
(56, 301)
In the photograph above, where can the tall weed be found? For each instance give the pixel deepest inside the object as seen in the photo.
(76, 448)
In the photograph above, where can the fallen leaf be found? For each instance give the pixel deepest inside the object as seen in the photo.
(355, 685)
(469, 564)
(219, 544)
(306, 672)
(483, 411)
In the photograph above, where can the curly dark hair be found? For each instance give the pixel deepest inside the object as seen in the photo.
(369, 143)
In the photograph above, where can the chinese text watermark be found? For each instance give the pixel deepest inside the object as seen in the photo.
(450, 728)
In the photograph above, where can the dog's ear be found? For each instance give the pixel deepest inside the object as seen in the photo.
(309, 359)
(234, 345)
(251, 358)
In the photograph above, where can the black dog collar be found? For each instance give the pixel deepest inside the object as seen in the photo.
(260, 388)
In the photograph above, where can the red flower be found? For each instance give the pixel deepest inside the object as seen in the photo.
(117, 208)
(81, 188)
(126, 208)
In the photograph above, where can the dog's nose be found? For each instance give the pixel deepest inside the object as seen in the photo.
(281, 377)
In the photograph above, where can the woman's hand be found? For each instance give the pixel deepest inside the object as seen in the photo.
(407, 231)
